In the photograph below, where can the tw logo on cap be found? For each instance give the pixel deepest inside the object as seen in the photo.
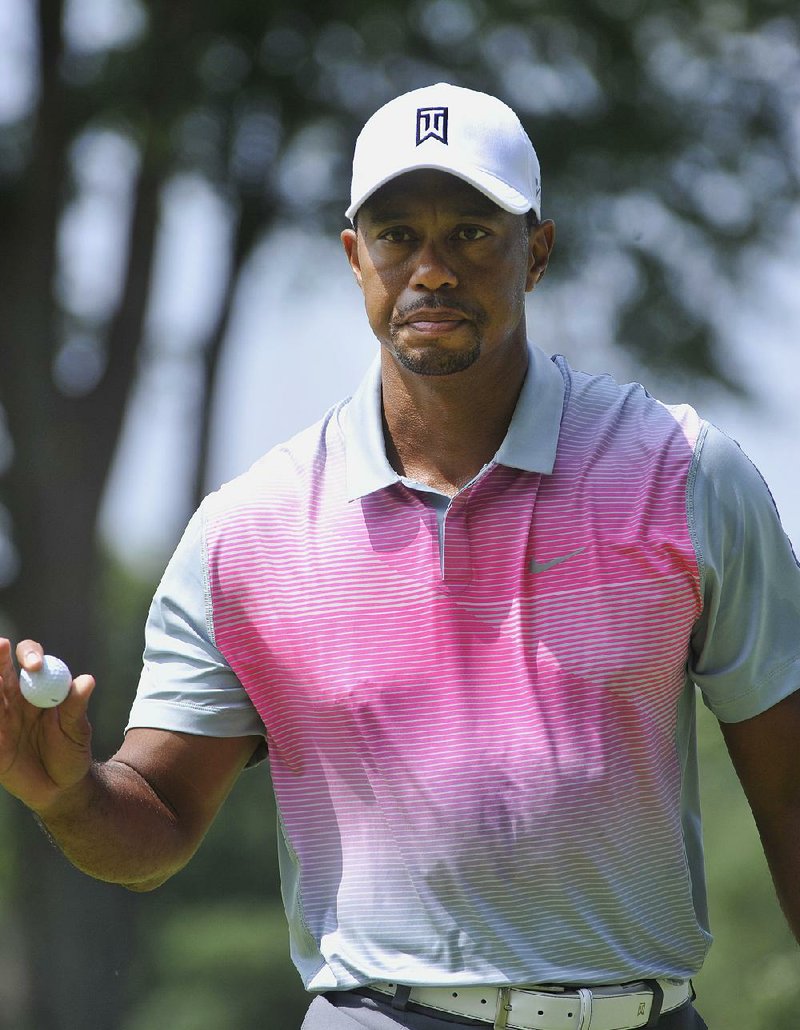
(432, 124)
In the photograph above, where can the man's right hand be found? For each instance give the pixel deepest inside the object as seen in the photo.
(44, 752)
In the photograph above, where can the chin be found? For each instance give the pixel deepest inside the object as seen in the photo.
(436, 360)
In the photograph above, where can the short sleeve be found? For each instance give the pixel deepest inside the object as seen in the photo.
(745, 648)
(186, 684)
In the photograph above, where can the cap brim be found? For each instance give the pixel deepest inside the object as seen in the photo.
(495, 189)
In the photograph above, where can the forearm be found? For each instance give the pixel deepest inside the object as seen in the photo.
(780, 836)
(113, 826)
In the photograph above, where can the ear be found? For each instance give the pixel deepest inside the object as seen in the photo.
(349, 240)
(542, 239)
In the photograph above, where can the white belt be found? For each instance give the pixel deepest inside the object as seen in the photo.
(549, 1008)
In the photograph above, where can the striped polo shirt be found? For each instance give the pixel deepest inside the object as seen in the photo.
(479, 710)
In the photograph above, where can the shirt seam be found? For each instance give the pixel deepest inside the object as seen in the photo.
(691, 482)
(561, 364)
(208, 607)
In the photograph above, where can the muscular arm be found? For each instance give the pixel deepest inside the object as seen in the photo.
(135, 819)
(765, 752)
(139, 817)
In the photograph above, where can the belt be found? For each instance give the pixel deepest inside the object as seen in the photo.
(618, 1007)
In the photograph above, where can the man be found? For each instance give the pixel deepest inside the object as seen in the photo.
(470, 607)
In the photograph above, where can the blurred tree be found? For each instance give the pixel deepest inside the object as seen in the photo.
(669, 160)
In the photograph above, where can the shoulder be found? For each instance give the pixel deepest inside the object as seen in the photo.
(725, 468)
(603, 415)
(730, 503)
(727, 482)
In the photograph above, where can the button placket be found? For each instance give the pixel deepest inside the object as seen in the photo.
(456, 564)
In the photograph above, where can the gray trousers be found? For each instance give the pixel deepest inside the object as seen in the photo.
(352, 1011)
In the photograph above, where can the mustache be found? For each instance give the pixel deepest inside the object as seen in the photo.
(431, 301)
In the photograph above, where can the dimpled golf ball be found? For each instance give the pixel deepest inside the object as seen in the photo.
(48, 686)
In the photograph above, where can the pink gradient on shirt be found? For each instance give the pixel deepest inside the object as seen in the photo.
(434, 734)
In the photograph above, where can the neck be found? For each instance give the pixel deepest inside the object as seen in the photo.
(442, 430)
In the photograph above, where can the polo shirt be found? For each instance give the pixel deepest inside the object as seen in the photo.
(480, 719)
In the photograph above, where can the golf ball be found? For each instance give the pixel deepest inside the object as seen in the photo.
(48, 686)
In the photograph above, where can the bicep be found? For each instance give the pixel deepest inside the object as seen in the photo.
(191, 774)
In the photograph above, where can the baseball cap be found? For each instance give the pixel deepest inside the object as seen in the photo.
(469, 134)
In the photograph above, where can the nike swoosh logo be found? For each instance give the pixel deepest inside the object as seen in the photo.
(543, 566)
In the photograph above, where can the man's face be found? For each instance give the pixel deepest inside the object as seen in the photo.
(444, 271)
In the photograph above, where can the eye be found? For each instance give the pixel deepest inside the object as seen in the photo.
(397, 234)
(469, 233)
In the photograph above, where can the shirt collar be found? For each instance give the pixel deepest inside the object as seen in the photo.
(530, 443)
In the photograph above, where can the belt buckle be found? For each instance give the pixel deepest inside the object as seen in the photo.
(503, 1008)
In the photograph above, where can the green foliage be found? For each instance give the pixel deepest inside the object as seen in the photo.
(220, 964)
(665, 133)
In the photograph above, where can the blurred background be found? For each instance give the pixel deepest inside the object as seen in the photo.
(173, 302)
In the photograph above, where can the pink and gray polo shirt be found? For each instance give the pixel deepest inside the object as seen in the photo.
(479, 710)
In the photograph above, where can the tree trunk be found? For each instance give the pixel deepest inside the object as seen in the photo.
(84, 932)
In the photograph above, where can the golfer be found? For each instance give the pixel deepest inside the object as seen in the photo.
(465, 615)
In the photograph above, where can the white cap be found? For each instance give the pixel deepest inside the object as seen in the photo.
(468, 134)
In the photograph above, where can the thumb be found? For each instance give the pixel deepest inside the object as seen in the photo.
(72, 709)
(82, 687)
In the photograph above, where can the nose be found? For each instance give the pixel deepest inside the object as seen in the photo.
(432, 271)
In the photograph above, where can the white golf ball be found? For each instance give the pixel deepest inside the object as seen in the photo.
(48, 686)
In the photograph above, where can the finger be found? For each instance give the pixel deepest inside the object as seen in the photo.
(8, 674)
(73, 710)
(5, 655)
(30, 654)
(82, 688)
(76, 702)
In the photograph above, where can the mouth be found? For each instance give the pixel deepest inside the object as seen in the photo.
(433, 321)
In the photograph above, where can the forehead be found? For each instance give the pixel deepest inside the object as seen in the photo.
(415, 190)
